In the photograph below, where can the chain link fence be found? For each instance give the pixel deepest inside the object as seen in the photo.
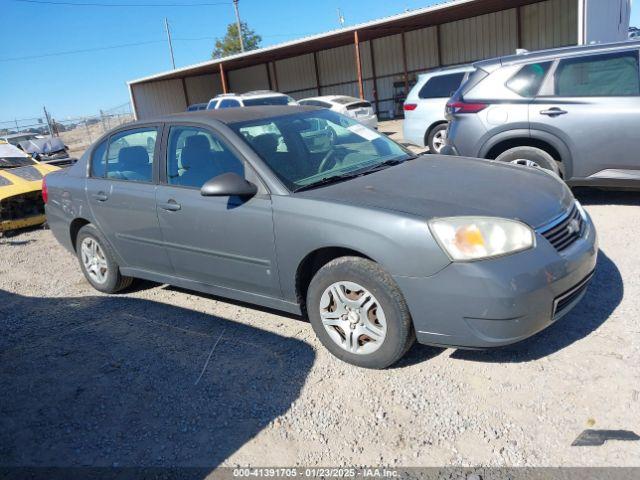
(76, 132)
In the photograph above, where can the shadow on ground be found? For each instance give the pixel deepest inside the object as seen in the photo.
(595, 196)
(603, 296)
(147, 385)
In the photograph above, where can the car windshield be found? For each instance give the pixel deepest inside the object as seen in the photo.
(309, 149)
(273, 100)
(12, 157)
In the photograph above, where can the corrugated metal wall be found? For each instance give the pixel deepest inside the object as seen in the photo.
(545, 24)
(249, 78)
(549, 24)
(203, 88)
(159, 98)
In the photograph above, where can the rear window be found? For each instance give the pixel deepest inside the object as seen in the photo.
(608, 75)
(355, 106)
(474, 79)
(442, 86)
(275, 100)
(528, 80)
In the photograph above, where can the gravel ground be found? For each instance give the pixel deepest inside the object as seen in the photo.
(163, 377)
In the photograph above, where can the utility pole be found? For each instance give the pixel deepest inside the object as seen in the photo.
(166, 26)
(239, 25)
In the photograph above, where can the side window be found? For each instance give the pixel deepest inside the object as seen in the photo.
(528, 80)
(195, 155)
(607, 75)
(442, 86)
(130, 155)
(99, 160)
(229, 103)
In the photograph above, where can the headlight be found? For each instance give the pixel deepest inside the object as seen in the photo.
(474, 238)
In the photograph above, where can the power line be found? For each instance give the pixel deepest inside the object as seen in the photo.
(84, 50)
(99, 4)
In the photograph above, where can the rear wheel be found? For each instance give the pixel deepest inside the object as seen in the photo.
(531, 157)
(359, 314)
(437, 137)
(97, 262)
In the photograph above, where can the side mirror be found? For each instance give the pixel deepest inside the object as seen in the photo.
(228, 185)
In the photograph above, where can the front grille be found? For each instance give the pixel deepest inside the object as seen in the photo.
(22, 206)
(562, 303)
(566, 230)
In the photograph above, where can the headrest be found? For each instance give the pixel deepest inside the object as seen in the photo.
(197, 141)
(267, 142)
(133, 155)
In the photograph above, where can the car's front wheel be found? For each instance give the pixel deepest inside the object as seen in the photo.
(97, 262)
(359, 314)
(531, 157)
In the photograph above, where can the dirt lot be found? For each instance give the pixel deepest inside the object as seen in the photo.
(163, 377)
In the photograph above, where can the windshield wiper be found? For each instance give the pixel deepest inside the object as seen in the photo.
(328, 180)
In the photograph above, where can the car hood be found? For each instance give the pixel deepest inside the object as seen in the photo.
(433, 186)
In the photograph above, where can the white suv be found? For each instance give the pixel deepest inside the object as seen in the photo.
(250, 99)
(424, 123)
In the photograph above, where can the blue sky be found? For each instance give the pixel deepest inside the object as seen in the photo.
(83, 83)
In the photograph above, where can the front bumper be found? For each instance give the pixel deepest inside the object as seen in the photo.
(500, 301)
(7, 225)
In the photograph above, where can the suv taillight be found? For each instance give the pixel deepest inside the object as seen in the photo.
(410, 106)
(45, 193)
(464, 107)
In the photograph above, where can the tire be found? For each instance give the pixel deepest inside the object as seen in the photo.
(531, 154)
(435, 140)
(385, 313)
(112, 281)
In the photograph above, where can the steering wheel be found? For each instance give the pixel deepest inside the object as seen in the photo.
(325, 161)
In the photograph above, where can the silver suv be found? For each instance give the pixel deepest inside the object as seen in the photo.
(575, 111)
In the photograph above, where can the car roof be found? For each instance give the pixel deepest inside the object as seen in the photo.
(333, 98)
(446, 71)
(231, 115)
(252, 94)
(553, 53)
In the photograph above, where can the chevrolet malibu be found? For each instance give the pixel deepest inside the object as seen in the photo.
(375, 245)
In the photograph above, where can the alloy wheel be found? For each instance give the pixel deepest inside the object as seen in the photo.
(94, 260)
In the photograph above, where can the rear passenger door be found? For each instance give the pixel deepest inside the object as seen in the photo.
(121, 191)
(592, 103)
(222, 241)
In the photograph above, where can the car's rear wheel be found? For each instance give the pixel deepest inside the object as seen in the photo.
(359, 314)
(530, 157)
(437, 138)
(97, 262)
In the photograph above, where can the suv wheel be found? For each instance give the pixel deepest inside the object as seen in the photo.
(97, 262)
(359, 314)
(530, 156)
(436, 138)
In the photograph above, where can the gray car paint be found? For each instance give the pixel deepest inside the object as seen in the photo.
(251, 250)
(596, 139)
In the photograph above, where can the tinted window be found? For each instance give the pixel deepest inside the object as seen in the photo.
(528, 80)
(195, 155)
(229, 103)
(98, 160)
(610, 75)
(442, 86)
(130, 155)
(309, 147)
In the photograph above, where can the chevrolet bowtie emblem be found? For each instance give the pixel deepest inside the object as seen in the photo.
(573, 227)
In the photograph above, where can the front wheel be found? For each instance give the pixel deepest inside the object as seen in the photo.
(359, 314)
(530, 157)
(98, 262)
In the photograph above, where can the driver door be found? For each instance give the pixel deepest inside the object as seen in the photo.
(221, 241)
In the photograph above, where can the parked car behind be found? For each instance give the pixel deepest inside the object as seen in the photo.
(197, 107)
(356, 108)
(48, 150)
(376, 245)
(424, 116)
(21, 202)
(250, 99)
(574, 111)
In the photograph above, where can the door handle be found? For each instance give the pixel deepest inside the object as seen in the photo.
(101, 196)
(170, 206)
(553, 112)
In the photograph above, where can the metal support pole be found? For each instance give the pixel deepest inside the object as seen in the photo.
(356, 41)
(223, 78)
(46, 116)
